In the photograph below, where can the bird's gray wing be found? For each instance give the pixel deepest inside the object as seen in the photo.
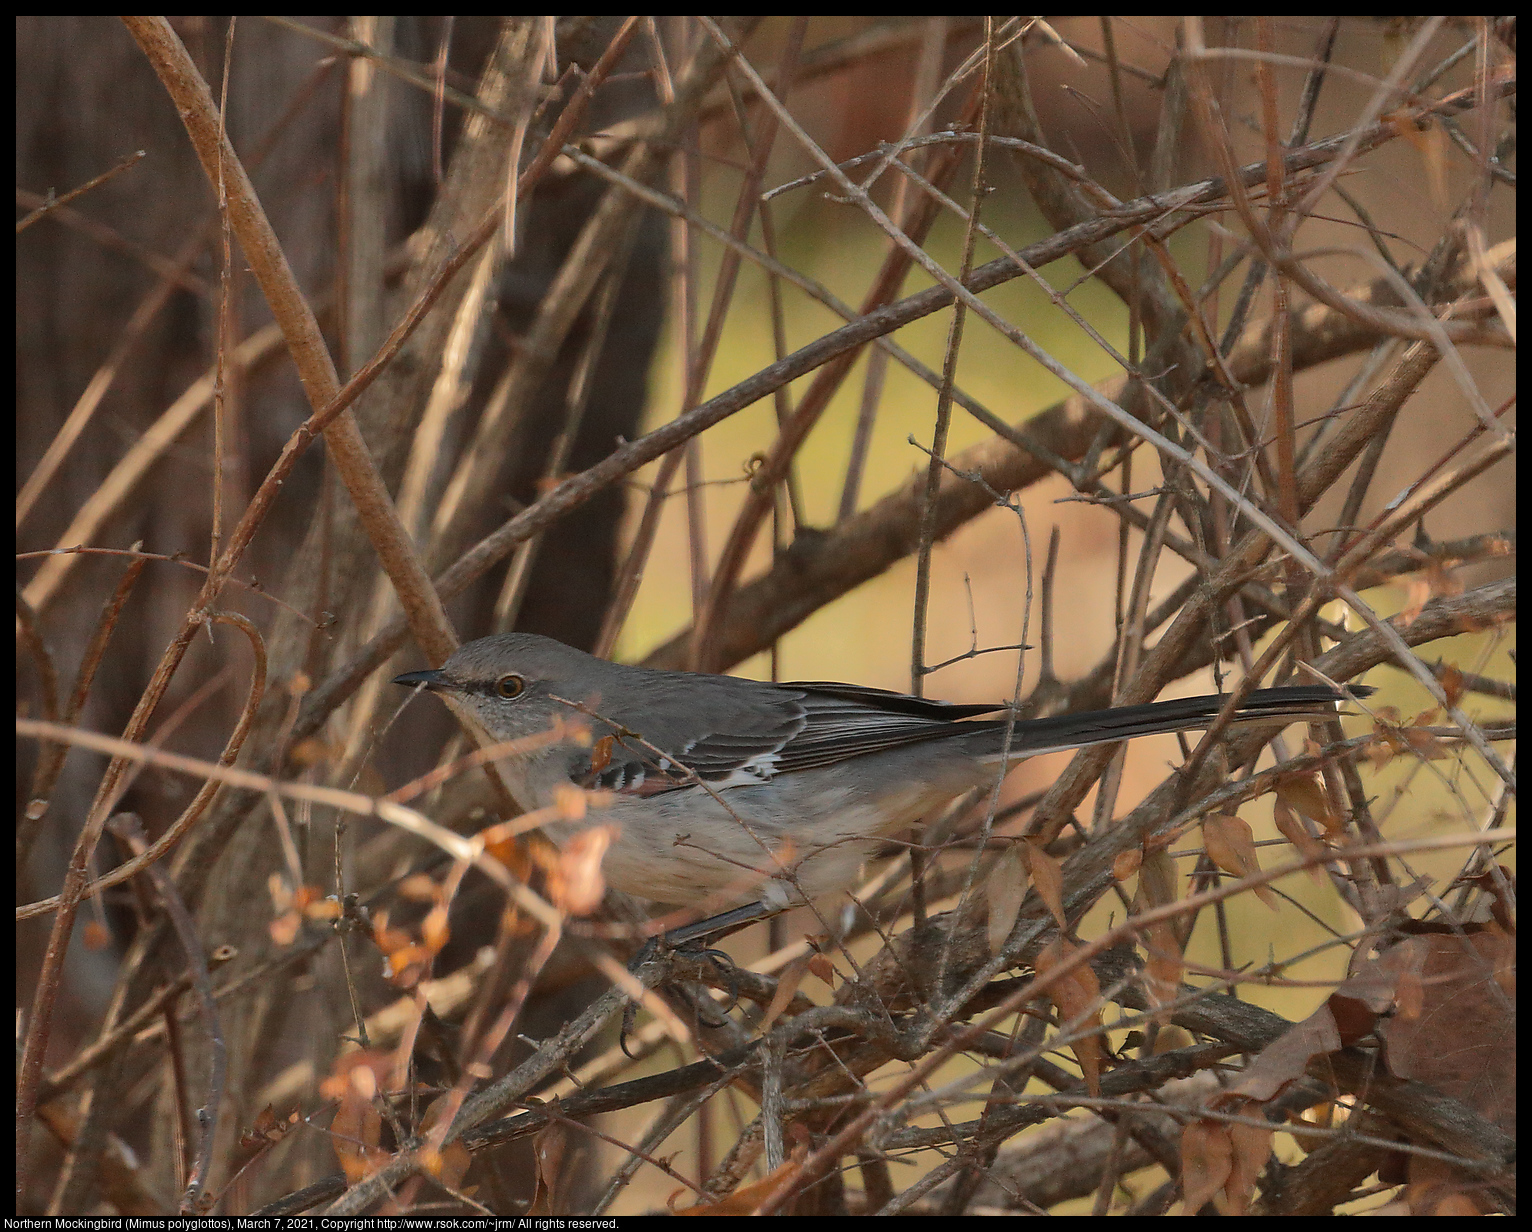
(746, 732)
(725, 731)
(844, 722)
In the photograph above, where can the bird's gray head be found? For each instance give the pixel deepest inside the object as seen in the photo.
(511, 683)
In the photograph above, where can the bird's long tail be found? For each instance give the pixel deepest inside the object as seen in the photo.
(1030, 737)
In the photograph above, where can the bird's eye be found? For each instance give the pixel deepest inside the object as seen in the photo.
(510, 686)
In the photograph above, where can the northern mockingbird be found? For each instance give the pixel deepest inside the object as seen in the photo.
(742, 790)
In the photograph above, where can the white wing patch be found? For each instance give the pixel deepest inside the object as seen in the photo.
(752, 772)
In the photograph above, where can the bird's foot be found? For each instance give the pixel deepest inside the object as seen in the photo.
(663, 949)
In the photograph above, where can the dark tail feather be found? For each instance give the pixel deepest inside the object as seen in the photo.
(1073, 731)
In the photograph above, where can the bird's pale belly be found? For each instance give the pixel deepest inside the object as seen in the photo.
(784, 842)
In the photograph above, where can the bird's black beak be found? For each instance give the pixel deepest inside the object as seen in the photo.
(431, 677)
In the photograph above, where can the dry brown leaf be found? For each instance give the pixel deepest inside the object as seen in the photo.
(1425, 744)
(823, 968)
(1417, 593)
(357, 1125)
(1126, 864)
(1455, 1020)
(1286, 1058)
(1207, 1160)
(1380, 751)
(601, 755)
(264, 1128)
(448, 1165)
(406, 960)
(385, 938)
(1004, 891)
(1048, 877)
(1451, 679)
(1158, 881)
(548, 1153)
(1251, 1147)
(1504, 958)
(433, 929)
(1077, 996)
(265, 1131)
(1163, 968)
(1411, 996)
(1306, 793)
(1231, 846)
(1290, 827)
(580, 886)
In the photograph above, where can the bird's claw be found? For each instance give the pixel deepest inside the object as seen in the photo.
(659, 948)
(721, 963)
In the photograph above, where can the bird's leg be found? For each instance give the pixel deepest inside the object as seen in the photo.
(688, 938)
(688, 935)
(718, 925)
